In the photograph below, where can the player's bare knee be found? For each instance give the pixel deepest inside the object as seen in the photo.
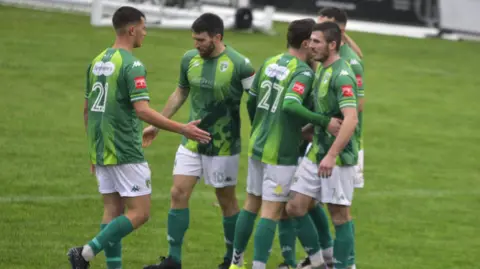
(295, 209)
(179, 195)
(340, 214)
(272, 210)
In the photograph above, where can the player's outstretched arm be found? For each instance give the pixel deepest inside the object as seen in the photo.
(190, 130)
(175, 102)
(350, 42)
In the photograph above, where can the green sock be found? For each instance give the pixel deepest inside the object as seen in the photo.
(243, 230)
(229, 233)
(351, 257)
(117, 229)
(113, 253)
(178, 221)
(288, 236)
(307, 234)
(264, 236)
(320, 219)
(343, 245)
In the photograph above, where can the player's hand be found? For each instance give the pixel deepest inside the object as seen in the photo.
(191, 131)
(149, 135)
(92, 169)
(334, 126)
(326, 166)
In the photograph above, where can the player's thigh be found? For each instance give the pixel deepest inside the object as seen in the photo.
(277, 180)
(132, 180)
(306, 180)
(339, 187)
(220, 171)
(187, 163)
(113, 206)
(255, 177)
(138, 209)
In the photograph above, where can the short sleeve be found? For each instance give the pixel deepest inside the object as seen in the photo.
(246, 74)
(183, 77)
(359, 75)
(87, 82)
(137, 82)
(345, 89)
(300, 86)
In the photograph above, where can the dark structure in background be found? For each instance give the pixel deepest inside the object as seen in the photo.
(408, 12)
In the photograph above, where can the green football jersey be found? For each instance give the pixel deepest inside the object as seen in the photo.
(356, 64)
(276, 135)
(216, 86)
(334, 88)
(115, 80)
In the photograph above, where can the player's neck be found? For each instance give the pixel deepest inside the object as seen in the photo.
(121, 43)
(218, 50)
(333, 58)
(298, 54)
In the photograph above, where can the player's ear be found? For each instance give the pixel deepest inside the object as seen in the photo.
(131, 30)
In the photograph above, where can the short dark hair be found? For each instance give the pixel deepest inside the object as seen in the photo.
(339, 15)
(210, 23)
(126, 15)
(331, 31)
(299, 31)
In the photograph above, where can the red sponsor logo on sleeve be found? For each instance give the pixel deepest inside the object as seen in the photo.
(140, 83)
(347, 90)
(299, 87)
(359, 81)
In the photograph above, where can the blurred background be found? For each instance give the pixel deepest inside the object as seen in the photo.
(420, 204)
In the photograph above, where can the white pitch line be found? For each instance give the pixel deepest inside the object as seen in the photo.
(412, 193)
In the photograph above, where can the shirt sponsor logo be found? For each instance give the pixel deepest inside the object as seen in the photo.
(103, 69)
(276, 71)
(347, 90)
(359, 81)
(299, 88)
(140, 83)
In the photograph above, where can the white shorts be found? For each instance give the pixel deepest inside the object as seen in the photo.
(217, 171)
(129, 180)
(337, 189)
(359, 179)
(271, 182)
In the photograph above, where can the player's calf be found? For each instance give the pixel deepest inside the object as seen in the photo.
(244, 228)
(229, 205)
(265, 233)
(344, 240)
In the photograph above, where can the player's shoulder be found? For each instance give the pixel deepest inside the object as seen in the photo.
(236, 57)
(349, 55)
(342, 70)
(190, 54)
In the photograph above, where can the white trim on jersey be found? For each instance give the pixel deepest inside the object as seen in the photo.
(247, 82)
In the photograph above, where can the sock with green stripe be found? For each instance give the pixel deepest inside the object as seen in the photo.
(113, 233)
(113, 253)
(320, 219)
(178, 222)
(264, 236)
(288, 236)
(243, 231)
(343, 245)
(229, 233)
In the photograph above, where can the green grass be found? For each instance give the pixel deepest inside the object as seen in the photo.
(418, 210)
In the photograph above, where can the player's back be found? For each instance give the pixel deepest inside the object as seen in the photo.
(276, 135)
(115, 79)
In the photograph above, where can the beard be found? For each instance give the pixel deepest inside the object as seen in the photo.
(204, 53)
(323, 57)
